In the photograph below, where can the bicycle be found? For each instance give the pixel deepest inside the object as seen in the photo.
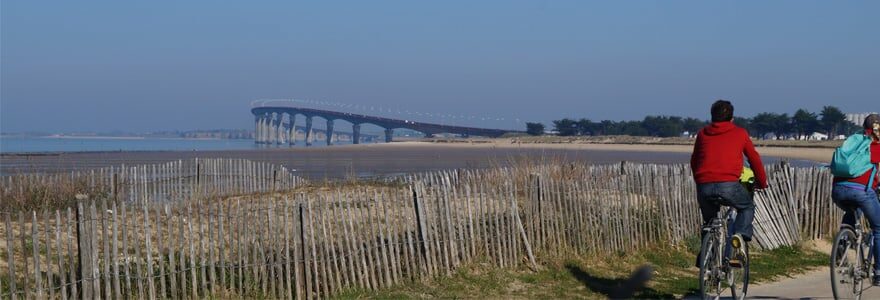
(716, 275)
(851, 260)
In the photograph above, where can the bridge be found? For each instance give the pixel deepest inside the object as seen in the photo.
(270, 126)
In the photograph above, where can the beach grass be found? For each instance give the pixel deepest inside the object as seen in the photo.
(578, 277)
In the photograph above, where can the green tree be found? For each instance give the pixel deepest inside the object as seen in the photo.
(607, 127)
(781, 125)
(565, 127)
(534, 128)
(745, 123)
(804, 122)
(585, 127)
(693, 125)
(833, 120)
(633, 128)
(777, 124)
(663, 126)
(764, 123)
(850, 128)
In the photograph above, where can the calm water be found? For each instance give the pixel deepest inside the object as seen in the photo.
(69, 144)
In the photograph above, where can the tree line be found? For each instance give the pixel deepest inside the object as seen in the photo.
(831, 121)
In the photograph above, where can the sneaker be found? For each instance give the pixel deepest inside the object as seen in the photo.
(876, 280)
(738, 255)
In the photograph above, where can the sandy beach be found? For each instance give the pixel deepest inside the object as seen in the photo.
(396, 158)
(818, 154)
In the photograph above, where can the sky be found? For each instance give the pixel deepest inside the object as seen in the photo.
(141, 66)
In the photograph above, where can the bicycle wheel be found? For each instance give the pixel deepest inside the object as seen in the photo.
(710, 268)
(846, 282)
(738, 278)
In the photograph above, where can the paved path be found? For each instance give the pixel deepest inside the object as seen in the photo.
(812, 285)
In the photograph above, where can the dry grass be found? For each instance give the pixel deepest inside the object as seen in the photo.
(36, 192)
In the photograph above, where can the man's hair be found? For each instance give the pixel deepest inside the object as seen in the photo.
(870, 120)
(722, 111)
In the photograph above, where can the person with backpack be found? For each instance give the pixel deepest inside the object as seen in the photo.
(855, 170)
(717, 164)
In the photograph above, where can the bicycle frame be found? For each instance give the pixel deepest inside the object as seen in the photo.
(724, 219)
(866, 239)
(716, 273)
(714, 270)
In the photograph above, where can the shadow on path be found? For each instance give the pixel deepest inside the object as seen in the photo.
(620, 288)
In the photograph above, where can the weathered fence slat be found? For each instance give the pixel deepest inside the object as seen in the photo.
(59, 251)
(10, 257)
(73, 262)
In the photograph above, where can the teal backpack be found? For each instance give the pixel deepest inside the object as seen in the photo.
(853, 158)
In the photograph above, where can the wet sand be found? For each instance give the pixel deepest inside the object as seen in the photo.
(392, 159)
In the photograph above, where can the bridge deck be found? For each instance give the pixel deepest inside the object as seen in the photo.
(387, 123)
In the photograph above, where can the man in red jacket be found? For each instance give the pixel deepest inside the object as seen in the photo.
(717, 163)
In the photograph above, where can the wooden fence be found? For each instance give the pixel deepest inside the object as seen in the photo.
(315, 243)
(172, 181)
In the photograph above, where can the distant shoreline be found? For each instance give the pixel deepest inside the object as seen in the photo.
(815, 154)
(642, 140)
(820, 152)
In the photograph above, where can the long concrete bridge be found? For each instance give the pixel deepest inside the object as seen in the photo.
(275, 125)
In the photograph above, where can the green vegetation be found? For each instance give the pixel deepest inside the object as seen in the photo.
(595, 277)
(23, 192)
(831, 121)
(534, 128)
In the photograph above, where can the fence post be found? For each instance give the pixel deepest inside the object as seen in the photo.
(114, 185)
(83, 242)
(537, 219)
(422, 228)
(303, 247)
(13, 291)
(522, 230)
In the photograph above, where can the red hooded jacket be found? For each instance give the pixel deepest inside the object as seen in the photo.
(718, 155)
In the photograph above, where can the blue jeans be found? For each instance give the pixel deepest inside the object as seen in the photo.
(712, 195)
(850, 197)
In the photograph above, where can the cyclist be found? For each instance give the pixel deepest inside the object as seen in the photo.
(717, 164)
(861, 192)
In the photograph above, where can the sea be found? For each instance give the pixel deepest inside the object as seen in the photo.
(9, 145)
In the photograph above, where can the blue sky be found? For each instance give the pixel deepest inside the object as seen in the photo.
(162, 65)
